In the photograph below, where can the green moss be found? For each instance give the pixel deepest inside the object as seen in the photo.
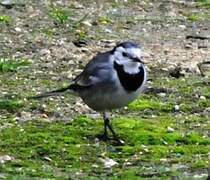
(62, 149)
(204, 3)
(59, 15)
(104, 20)
(193, 17)
(48, 32)
(5, 19)
(200, 164)
(128, 174)
(54, 145)
(152, 104)
(81, 35)
(12, 64)
(10, 104)
(179, 138)
(204, 103)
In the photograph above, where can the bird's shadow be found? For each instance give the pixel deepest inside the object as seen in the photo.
(100, 138)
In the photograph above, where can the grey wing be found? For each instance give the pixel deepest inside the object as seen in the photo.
(97, 72)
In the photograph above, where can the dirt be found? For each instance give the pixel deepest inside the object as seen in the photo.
(58, 38)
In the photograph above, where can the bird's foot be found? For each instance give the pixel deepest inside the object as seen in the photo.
(103, 137)
(115, 140)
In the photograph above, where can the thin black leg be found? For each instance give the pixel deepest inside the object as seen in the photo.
(110, 128)
(107, 124)
(105, 128)
(104, 136)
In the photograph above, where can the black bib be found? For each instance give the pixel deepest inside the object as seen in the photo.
(130, 82)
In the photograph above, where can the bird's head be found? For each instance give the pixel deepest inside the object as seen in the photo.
(129, 55)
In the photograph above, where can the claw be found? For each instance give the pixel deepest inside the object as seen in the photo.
(103, 137)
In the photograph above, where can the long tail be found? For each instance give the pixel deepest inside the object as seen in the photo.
(51, 93)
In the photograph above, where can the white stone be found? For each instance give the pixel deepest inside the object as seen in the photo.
(162, 94)
(108, 163)
(202, 98)
(17, 29)
(5, 158)
(170, 129)
(87, 23)
(176, 108)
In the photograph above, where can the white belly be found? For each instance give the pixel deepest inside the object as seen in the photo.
(104, 99)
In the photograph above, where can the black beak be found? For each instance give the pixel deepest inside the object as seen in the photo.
(136, 59)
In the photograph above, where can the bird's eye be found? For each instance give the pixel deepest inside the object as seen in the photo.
(125, 54)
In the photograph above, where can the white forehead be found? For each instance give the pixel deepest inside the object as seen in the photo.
(134, 51)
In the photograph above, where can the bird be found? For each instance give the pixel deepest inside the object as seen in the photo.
(110, 80)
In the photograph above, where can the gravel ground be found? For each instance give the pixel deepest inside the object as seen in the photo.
(57, 39)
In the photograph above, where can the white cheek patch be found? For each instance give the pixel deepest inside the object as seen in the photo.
(131, 67)
(118, 55)
(135, 52)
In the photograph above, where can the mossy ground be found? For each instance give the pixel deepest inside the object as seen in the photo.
(70, 149)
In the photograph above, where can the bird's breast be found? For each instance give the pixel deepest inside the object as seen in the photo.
(130, 82)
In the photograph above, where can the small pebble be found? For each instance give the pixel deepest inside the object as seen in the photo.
(87, 23)
(17, 29)
(47, 158)
(202, 98)
(182, 26)
(162, 94)
(5, 158)
(188, 46)
(44, 52)
(200, 176)
(95, 166)
(108, 163)
(163, 160)
(170, 129)
(108, 30)
(44, 115)
(176, 108)
(127, 163)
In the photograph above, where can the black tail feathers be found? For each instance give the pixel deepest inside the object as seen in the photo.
(52, 93)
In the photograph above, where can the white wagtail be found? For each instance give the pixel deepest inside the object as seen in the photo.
(110, 80)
